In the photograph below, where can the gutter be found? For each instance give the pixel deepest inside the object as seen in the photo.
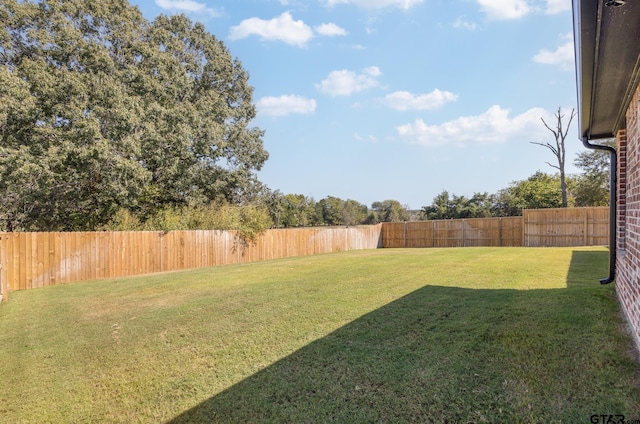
(613, 183)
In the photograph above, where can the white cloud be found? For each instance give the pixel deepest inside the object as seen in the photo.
(504, 9)
(557, 6)
(345, 83)
(366, 139)
(493, 126)
(187, 6)
(376, 4)
(281, 28)
(403, 100)
(462, 23)
(515, 9)
(286, 105)
(563, 55)
(330, 29)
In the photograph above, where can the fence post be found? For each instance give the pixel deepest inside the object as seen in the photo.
(586, 227)
(4, 295)
(4, 283)
(433, 234)
(405, 234)
(524, 227)
(4, 290)
(464, 240)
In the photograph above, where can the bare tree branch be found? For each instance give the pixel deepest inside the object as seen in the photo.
(558, 150)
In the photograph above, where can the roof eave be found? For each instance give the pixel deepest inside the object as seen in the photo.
(607, 54)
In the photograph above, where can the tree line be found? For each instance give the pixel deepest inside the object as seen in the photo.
(539, 191)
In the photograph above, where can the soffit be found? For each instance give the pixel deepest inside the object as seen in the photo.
(607, 47)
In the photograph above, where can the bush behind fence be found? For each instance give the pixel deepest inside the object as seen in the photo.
(29, 260)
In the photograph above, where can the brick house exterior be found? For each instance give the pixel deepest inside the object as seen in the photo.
(628, 217)
(606, 34)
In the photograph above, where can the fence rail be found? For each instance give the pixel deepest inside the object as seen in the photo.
(29, 260)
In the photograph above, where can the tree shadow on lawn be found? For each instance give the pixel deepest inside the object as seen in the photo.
(443, 354)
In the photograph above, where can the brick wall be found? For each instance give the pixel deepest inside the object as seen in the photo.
(621, 147)
(628, 218)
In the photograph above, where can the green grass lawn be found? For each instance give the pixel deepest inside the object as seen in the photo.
(386, 336)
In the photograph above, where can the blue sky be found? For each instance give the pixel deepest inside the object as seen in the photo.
(398, 99)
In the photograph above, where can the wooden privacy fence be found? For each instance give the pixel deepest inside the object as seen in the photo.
(454, 233)
(566, 227)
(536, 228)
(30, 260)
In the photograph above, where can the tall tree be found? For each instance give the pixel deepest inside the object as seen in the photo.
(558, 148)
(101, 110)
(198, 104)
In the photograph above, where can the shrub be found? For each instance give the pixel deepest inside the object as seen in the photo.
(248, 220)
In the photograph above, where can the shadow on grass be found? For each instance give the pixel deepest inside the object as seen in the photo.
(443, 354)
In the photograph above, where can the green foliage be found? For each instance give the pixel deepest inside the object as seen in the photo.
(388, 211)
(330, 209)
(253, 220)
(124, 220)
(480, 205)
(353, 212)
(592, 190)
(102, 110)
(539, 191)
(292, 210)
(297, 210)
(335, 211)
(592, 186)
(248, 220)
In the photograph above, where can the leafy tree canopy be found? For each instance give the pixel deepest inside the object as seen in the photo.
(446, 206)
(539, 191)
(388, 211)
(335, 211)
(592, 186)
(102, 110)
